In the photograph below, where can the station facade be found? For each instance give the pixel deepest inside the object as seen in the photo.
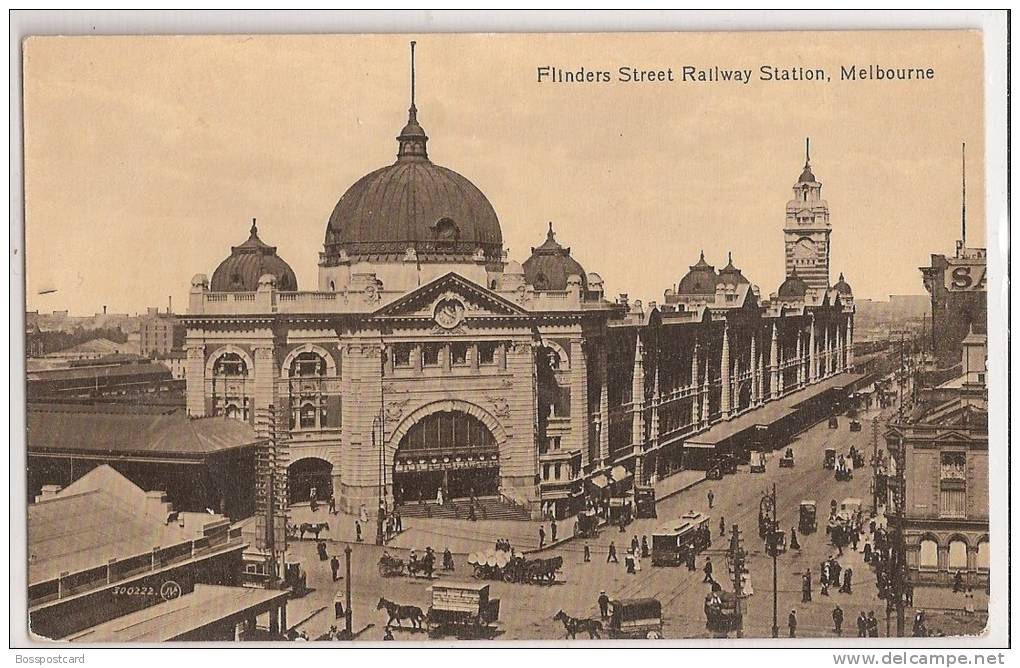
(426, 359)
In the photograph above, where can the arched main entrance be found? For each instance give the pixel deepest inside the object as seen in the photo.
(449, 450)
(306, 473)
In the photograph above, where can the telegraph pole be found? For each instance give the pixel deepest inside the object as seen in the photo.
(349, 617)
(736, 557)
(874, 463)
(775, 566)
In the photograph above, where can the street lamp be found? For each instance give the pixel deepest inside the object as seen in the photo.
(377, 424)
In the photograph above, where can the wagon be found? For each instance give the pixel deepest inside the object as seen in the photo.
(808, 516)
(507, 567)
(644, 502)
(830, 458)
(722, 612)
(786, 462)
(462, 609)
(855, 425)
(587, 525)
(758, 462)
(390, 566)
(635, 618)
(833, 422)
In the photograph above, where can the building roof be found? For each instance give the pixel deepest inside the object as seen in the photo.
(173, 619)
(550, 265)
(93, 371)
(247, 263)
(98, 346)
(413, 203)
(842, 287)
(700, 280)
(793, 287)
(101, 516)
(121, 430)
(730, 275)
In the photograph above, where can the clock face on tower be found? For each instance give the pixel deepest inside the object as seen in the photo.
(449, 313)
(804, 249)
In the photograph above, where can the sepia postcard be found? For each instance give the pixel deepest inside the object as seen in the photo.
(428, 338)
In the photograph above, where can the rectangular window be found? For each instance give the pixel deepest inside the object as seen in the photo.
(559, 470)
(545, 472)
(487, 352)
(459, 354)
(952, 501)
(402, 355)
(430, 354)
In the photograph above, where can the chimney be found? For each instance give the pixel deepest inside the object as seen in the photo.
(169, 304)
(104, 309)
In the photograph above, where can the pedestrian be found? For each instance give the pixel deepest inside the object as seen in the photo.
(612, 553)
(439, 497)
(794, 543)
(357, 530)
(847, 587)
(792, 622)
(862, 625)
(957, 582)
(968, 601)
(634, 545)
(332, 505)
(855, 536)
(334, 565)
(398, 522)
(338, 605)
(312, 500)
(872, 625)
(806, 587)
(837, 620)
(321, 548)
(447, 560)
(711, 498)
(644, 547)
(691, 563)
(541, 536)
(603, 604)
(722, 526)
(552, 527)
(909, 594)
(587, 553)
(708, 571)
(867, 552)
(824, 579)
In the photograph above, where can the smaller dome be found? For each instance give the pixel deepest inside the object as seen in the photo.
(730, 275)
(700, 280)
(807, 176)
(550, 265)
(244, 269)
(842, 287)
(793, 287)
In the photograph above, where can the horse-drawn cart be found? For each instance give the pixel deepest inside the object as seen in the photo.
(508, 567)
(587, 525)
(722, 612)
(636, 618)
(463, 609)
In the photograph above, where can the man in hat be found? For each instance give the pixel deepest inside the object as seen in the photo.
(603, 604)
(837, 620)
(541, 536)
(806, 587)
(792, 622)
(334, 565)
(708, 570)
(612, 553)
(862, 625)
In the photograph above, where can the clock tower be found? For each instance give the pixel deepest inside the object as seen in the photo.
(806, 234)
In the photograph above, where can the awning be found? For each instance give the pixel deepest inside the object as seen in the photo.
(600, 481)
(619, 473)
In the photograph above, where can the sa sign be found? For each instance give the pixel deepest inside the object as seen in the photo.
(966, 277)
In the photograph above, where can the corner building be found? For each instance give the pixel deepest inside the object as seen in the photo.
(426, 359)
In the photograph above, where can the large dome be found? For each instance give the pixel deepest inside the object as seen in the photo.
(700, 280)
(793, 287)
(241, 271)
(413, 203)
(550, 265)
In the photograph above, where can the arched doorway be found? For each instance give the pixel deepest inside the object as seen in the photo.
(449, 450)
(304, 474)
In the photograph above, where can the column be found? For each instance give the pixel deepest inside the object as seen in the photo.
(774, 365)
(850, 342)
(800, 357)
(754, 369)
(603, 404)
(579, 398)
(839, 348)
(779, 364)
(265, 378)
(724, 373)
(705, 406)
(695, 399)
(653, 428)
(196, 379)
(812, 356)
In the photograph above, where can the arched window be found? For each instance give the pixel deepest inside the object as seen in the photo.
(308, 365)
(929, 554)
(448, 431)
(332, 286)
(307, 417)
(230, 365)
(957, 554)
(233, 412)
(983, 556)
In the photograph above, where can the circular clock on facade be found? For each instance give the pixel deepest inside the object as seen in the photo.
(805, 248)
(449, 313)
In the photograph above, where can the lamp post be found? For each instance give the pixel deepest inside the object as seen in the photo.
(775, 567)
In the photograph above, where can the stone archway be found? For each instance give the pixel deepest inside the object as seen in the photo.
(451, 446)
(307, 473)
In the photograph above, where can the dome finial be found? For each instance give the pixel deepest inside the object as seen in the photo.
(550, 234)
(412, 138)
(702, 255)
(729, 257)
(254, 228)
(807, 150)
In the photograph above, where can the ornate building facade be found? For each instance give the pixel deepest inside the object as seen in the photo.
(427, 359)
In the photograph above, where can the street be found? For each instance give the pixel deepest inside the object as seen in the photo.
(527, 610)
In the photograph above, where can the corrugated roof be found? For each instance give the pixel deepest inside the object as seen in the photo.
(207, 605)
(63, 429)
(90, 372)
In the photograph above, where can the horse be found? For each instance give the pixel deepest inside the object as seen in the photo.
(314, 528)
(399, 612)
(574, 625)
(545, 569)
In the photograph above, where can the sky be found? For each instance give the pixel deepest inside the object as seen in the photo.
(147, 157)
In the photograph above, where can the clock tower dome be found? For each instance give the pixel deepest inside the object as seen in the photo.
(806, 234)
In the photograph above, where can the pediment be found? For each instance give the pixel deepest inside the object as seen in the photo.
(449, 300)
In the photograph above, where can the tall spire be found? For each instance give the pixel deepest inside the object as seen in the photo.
(412, 138)
(807, 176)
(807, 150)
